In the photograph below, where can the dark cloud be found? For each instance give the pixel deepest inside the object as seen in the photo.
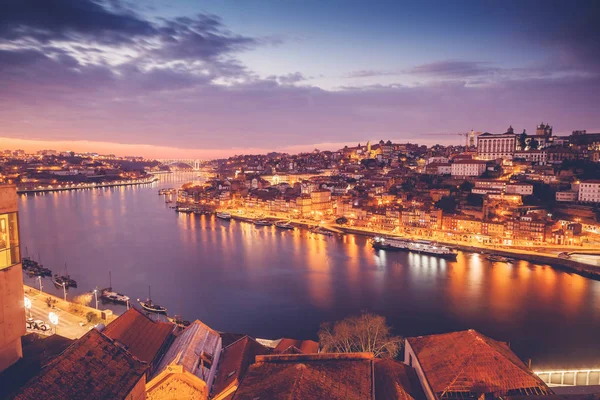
(288, 79)
(46, 20)
(202, 37)
(453, 69)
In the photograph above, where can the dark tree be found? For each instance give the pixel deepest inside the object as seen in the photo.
(447, 204)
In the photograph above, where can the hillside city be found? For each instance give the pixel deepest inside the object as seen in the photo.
(535, 194)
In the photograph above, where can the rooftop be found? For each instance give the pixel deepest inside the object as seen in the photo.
(234, 362)
(470, 362)
(304, 346)
(187, 348)
(396, 380)
(141, 336)
(305, 377)
(94, 367)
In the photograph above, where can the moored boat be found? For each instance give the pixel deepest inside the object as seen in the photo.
(417, 246)
(224, 215)
(262, 222)
(321, 231)
(497, 258)
(109, 295)
(284, 225)
(64, 281)
(151, 307)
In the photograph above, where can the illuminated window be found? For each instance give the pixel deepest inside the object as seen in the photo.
(9, 240)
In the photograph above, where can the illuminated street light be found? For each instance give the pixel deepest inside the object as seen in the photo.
(40, 279)
(53, 318)
(27, 304)
(96, 295)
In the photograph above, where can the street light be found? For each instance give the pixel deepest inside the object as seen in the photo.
(64, 285)
(40, 279)
(96, 295)
(53, 318)
(27, 304)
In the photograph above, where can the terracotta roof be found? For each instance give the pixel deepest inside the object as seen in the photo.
(396, 380)
(234, 362)
(94, 367)
(141, 336)
(329, 376)
(468, 361)
(195, 339)
(305, 346)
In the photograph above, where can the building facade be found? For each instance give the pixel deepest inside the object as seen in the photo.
(492, 147)
(12, 311)
(589, 191)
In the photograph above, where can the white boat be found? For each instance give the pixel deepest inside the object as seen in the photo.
(114, 296)
(417, 246)
(262, 222)
(224, 215)
(284, 225)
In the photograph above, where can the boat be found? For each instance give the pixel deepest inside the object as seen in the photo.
(109, 295)
(415, 246)
(262, 222)
(497, 258)
(321, 231)
(64, 281)
(149, 306)
(224, 215)
(284, 225)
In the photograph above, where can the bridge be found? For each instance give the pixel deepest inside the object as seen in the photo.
(570, 377)
(193, 163)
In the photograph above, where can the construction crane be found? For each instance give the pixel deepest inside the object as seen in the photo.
(467, 135)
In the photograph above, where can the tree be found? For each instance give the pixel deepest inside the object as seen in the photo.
(83, 299)
(475, 200)
(447, 204)
(534, 144)
(523, 140)
(363, 333)
(466, 186)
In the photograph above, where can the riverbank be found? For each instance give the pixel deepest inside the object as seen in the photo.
(586, 270)
(78, 186)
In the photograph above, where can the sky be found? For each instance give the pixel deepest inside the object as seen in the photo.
(207, 79)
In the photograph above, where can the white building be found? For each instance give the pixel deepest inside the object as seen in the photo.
(524, 189)
(589, 191)
(567, 196)
(468, 168)
(492, 147)
(439, 159)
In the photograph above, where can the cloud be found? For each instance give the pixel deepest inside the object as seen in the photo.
(453, 69)
(369, 73)
(44, 21)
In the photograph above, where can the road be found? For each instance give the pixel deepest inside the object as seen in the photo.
(69, 325)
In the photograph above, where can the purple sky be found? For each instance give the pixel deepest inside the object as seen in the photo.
(207, 79)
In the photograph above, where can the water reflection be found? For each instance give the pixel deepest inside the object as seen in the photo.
(272, 283)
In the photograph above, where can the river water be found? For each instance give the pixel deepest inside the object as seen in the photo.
(271, 283)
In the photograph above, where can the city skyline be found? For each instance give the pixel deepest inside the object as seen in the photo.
(221, 78)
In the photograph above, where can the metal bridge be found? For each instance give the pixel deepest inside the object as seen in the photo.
(570, 377)
(194, 163)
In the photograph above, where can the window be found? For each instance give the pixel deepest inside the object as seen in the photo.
(9, 240)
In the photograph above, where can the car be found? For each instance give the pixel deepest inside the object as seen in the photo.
(37, 324)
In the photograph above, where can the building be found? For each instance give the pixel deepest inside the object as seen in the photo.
(396, 380)
(567, 196)
(286, 345)
(321, 200)
(469, 365)
(524, 189)
(466, 168)
(332, 376)
(12, 311)
(234, 362)
(589, 191)
(144, 338)
(189, 366)
(492, 147)
(527, 228)
(93, 368)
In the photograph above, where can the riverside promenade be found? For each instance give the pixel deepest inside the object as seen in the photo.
(76, 186)
(72, 317)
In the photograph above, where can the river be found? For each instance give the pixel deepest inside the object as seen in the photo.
(271, 283)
